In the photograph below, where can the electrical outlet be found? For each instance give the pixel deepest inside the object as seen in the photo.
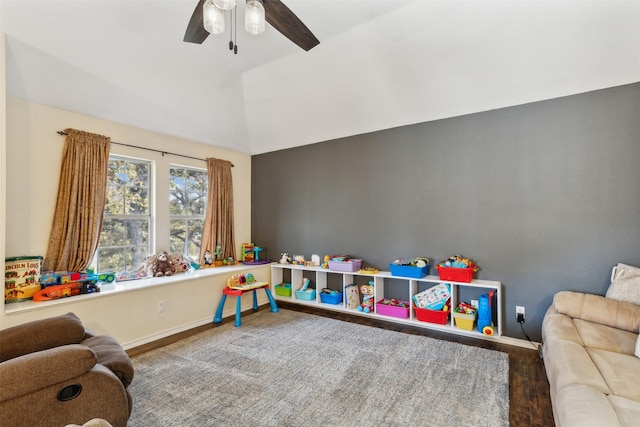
(161, 306)
(520, 313)
(474, 303)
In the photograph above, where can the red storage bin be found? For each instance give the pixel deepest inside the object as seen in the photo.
(432, 316)
(453, 274)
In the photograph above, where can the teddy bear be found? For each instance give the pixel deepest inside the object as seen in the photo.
(163, 265)
(147, 266)
(179, 262)
(367, 298)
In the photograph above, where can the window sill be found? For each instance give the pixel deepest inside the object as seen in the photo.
(116, 288)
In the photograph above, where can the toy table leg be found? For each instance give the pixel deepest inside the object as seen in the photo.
(255, 300)
(272, 302)
(238, 310)
(218, 316)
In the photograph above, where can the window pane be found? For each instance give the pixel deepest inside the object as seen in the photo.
(137, 232)
(114, 203)
(177, 194)
(137, 200)
(194, 237)
(113, 232)
(110, 260)
(178, 235)
(197, 191)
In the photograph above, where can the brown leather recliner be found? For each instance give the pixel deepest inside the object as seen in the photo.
(53, 372)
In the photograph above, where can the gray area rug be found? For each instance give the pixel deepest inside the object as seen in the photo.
(297, 369)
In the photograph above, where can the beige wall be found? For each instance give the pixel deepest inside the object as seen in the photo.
(33, 158)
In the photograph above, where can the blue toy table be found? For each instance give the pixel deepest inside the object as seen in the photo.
(238, 292)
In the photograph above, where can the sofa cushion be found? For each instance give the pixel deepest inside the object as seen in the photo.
(40, 335)
(596, 335)
(625, 284)
(581, 405)
(595, 308)
(628, 411)
(113, 356)
(621, 372)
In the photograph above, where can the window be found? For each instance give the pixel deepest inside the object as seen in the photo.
(126, 227)
(187, 205)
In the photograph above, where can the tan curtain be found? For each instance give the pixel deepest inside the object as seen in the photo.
(218, 221)
(80, 206)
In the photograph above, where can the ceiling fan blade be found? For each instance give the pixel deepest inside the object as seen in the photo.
(195, 30)
(284, 20)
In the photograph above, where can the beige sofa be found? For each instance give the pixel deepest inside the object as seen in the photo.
(53, 372)
(589, 343)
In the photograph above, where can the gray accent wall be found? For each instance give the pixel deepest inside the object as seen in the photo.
(543, 196)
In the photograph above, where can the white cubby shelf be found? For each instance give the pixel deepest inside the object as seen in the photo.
(384, 281)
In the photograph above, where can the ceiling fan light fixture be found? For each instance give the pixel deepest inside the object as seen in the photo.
(213, 17)
(225, 4)
(254, 20)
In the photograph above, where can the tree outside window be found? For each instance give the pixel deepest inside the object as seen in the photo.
(126, 226)
(187, 207)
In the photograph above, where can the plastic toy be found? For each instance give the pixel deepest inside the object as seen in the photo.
(367, 297)
(163, 265)
(218, 255)
(228, 261)
(256, 251)
(325, 262)
(484, 313)
(298, 260)
(247, 252)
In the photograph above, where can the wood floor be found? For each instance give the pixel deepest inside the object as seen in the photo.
(529, 401)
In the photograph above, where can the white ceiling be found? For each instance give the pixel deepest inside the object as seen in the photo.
(380, 64)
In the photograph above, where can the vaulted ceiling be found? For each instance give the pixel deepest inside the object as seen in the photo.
(380, 64)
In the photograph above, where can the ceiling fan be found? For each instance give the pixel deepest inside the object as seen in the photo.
(276, 13)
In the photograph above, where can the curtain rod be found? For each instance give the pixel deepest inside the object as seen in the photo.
(61, 132)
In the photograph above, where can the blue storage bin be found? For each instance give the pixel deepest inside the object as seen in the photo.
(309, 295)
(409, 271)
(331, 298)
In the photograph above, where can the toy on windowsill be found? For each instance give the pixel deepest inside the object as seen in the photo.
(208, 260)
(367, 297)
(218, 256)
(163, 265)
(179, 263)
(247, 252)
(228, 261)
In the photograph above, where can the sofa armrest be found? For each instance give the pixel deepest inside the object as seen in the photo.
(34, 371)
(598, 309)
(40, 335)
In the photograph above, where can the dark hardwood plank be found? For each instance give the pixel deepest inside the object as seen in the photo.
(529, 400)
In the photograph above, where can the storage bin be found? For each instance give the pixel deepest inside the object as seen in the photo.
(351, 265)
(432, 316)
(283, 289)
(393, 310)
(465, 321)
(409, 271)
(464, 275)
(308, 295)
(331, 298)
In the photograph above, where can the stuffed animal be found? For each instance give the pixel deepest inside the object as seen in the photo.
(286, 259)
(163, 265)
(367, 297)
(180, 264)
(147, 266)
(208, 260)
